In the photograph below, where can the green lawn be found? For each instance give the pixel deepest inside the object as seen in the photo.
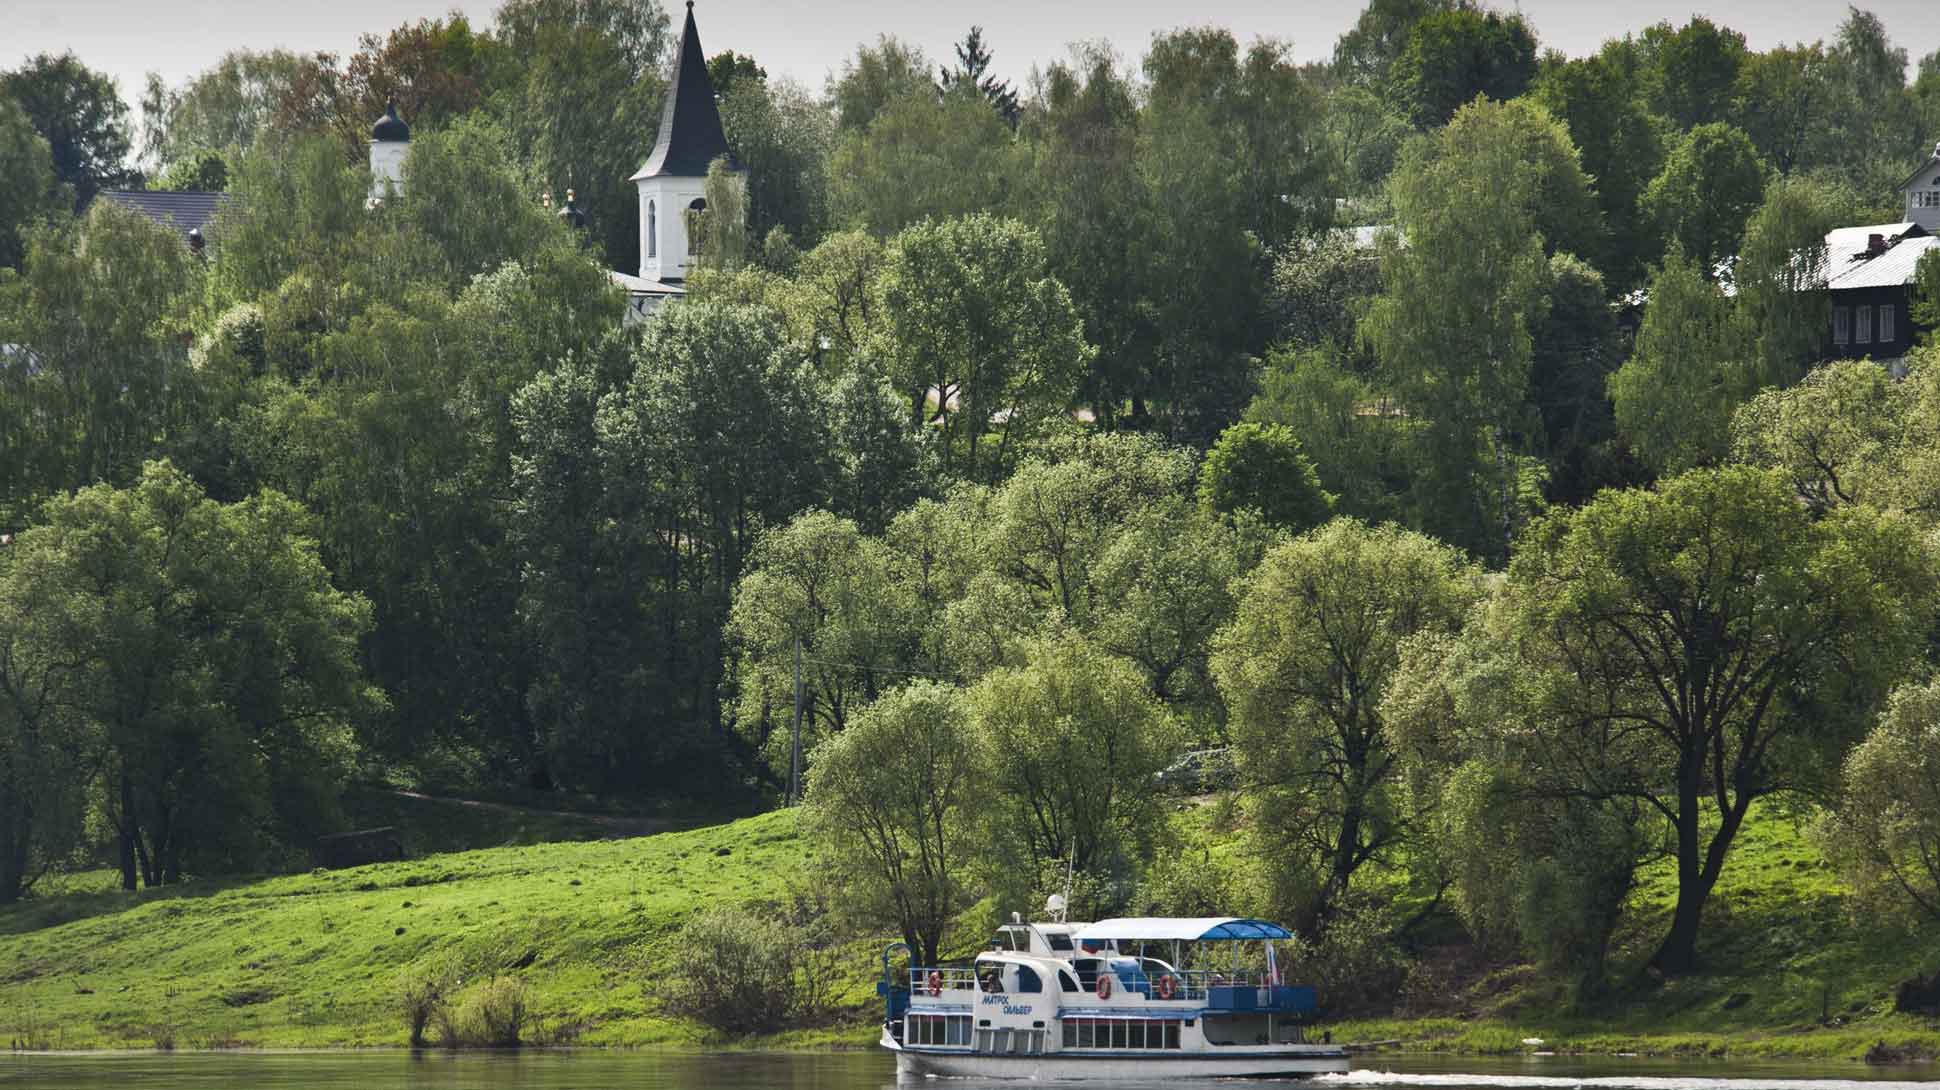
(315, 959)
(1791, 969)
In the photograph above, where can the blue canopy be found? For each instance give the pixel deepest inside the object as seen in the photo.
(1182, 929)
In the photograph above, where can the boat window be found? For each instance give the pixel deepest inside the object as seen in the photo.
(990, 978)
(1028, 980)
(1065, 982)
(1060, 941)
(1087, 973)
(937, 1029)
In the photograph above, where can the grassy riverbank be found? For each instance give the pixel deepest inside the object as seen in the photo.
(317, 959)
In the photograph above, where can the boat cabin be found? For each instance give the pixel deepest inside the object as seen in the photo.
(1114, 987)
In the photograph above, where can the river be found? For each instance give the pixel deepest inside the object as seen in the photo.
(588, 1070)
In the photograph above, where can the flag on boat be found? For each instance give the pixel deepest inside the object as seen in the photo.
(1272, 967)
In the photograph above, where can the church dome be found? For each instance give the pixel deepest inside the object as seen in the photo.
(390, 127)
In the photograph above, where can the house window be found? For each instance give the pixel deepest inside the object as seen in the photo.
(653, 231)
(1886, 330)
(1926, 198)
(1864, 333)
(1841, 325)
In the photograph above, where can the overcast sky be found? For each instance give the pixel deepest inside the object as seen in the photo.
(806, 39)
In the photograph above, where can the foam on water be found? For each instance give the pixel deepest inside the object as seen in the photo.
(1374, 1078)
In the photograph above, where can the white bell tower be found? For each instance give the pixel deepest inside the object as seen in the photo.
(390, 143)
(673, 181)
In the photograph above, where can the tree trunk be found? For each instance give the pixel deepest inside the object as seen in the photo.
(1697, 870)
(126, 828)
(13, 854)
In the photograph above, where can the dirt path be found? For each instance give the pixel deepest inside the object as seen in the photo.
(615, 828)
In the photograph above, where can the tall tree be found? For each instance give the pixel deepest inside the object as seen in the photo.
(1085, 198)
(1069, 733)
(1454, 56)
(27, 186)
(876, 76)
(971, 74)
(784, 139)
(96, 377)
(1686, 372)
(979, 337)
(82, 117)
(1688, 72)
(220, 664)
(587, 69)
(1365, 55)
(1710, 185)
(1304, 667)
(899, 805)
(1461, 301)
(1711, 642)
(1229, 164)
(1620, 147)
(924, 157)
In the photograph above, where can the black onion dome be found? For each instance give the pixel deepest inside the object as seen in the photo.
(691, 136)
(390, 127)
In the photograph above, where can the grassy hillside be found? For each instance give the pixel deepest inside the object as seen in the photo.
(1790, 969)
(316, 959)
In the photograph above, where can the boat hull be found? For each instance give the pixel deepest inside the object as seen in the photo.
(1290, 1062)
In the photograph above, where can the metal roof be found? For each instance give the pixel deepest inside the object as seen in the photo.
(1183, 929)
(1889, 269)
(690, 124)
(185, 210)
(640, 285)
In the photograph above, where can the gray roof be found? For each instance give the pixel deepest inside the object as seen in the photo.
(690, 123)
(186, 210)
(1890, 269)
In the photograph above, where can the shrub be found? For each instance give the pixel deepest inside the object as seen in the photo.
(422, 999)
(496, 1013)
(736, 971)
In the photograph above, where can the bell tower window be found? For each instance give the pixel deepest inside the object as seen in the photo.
(694, 210)
(653, 231)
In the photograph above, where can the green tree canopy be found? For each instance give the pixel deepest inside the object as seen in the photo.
(1262, 468)
(28, 190)
(898, 806)
(82, 117)
(1304, 667)
(1074, 739)
(1707, 644)
(1688, 72)
(1885, 829)
(1710, 185)
(216, 658)
(979, 337)
(1455, 55)
(1686, 372)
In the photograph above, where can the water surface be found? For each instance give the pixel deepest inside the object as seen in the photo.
(586, 1070)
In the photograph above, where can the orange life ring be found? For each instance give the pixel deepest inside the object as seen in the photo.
(1168, 987)
(936, 983)
(1104, 985)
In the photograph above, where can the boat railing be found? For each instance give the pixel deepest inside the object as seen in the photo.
(946, 980)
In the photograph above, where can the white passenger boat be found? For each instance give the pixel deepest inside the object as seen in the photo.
(1063, 1000)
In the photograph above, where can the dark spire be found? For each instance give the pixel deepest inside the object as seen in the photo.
(390, 127)
(690, 124)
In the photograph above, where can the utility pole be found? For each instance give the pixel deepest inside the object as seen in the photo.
(795, 748)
